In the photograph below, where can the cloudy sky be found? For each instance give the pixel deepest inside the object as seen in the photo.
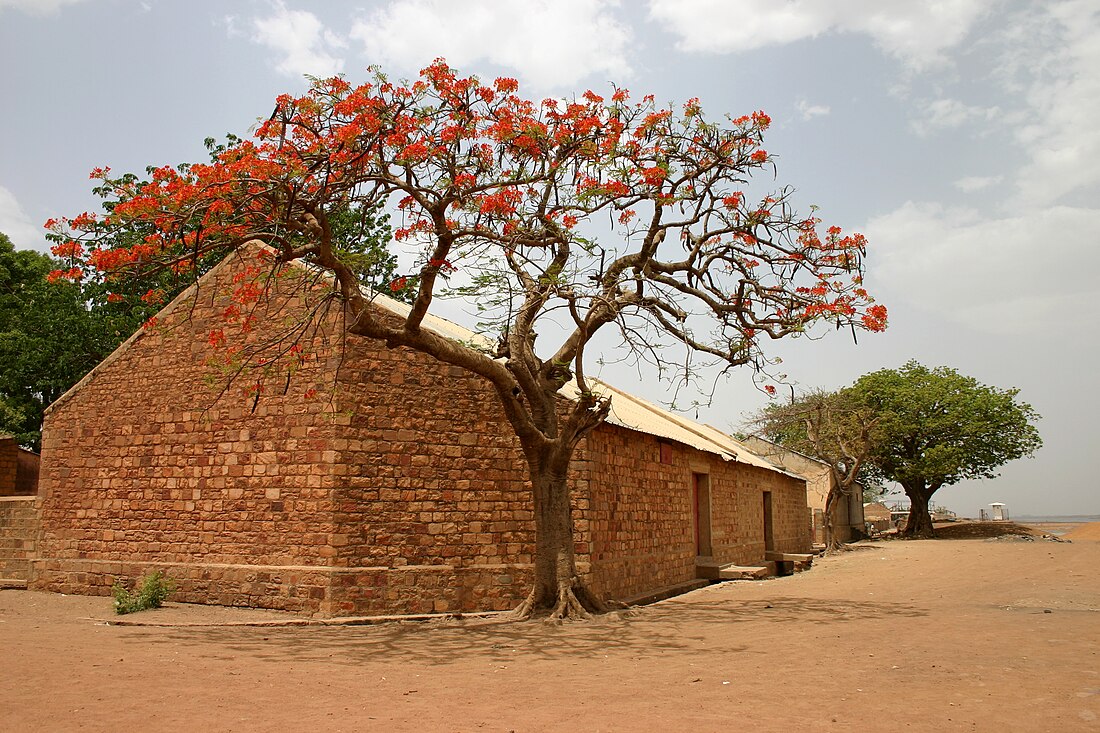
(962, 137)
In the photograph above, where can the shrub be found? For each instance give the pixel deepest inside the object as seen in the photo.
(152, 591)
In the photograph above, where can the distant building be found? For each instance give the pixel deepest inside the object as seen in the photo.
(848, 520)
(942, 514)
(18, 468)
(877, 516)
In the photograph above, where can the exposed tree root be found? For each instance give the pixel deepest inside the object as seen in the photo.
(571, 601)
(524, 610)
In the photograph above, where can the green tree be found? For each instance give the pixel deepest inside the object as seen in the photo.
(46, 340)
(938, 427)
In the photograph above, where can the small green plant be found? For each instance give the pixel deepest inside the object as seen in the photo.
(151, 592)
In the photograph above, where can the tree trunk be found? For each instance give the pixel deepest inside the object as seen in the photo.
(557, 591)
(919, 523)
(831, 542)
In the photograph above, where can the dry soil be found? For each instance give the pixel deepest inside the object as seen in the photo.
(937, 635)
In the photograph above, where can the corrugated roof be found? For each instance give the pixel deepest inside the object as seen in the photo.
(627, 410)
(783, 448)
(432, 322)
(630, 411)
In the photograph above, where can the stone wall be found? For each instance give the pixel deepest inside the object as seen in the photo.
(18, 531)
(396, 487)
(9, 465)
(847, 514)
(433, 513)
(643, 516)
(146, 465)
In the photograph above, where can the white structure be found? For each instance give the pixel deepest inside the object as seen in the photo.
(1000, 514)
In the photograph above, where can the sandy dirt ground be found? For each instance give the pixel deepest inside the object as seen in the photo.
(944, 635)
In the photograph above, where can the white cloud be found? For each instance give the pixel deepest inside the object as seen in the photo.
(37, 7)
(1016, 276)
(18, 226)
(945, 114)
(1062, 136)
(970, 184)
(809, 111)
(550, 43)
(917, 33)
(300, 38)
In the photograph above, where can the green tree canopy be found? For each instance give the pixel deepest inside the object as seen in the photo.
(938, 427)
(47, 340)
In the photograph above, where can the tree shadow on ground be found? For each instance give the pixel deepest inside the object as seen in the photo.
(654, 631)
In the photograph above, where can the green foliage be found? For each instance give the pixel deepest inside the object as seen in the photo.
(52, 334)
(152, 591)
(926, 428)
(47, 340)
(922, 428)
(833, 427)
(938, 427)
(360, 236)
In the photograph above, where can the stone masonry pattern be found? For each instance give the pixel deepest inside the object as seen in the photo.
(370, 481)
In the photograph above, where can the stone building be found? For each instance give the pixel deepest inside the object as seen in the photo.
(877, 516)
(18, 468)
(18, 515)
(371, 480)
(848, 522)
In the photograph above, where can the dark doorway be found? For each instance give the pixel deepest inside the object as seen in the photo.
(701, 495)
(769, 540)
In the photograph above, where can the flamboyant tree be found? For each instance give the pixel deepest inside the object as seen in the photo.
(937, 427)
(562, 218)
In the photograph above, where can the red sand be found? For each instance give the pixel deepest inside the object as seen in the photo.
(1088, 532)
(929, 635)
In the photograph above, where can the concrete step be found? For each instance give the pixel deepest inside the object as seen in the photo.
(796, 557)
(13, 584)
(714, 570)
(740, 572)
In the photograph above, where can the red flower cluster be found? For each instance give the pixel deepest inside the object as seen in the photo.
(875, 318)
(493, 170)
